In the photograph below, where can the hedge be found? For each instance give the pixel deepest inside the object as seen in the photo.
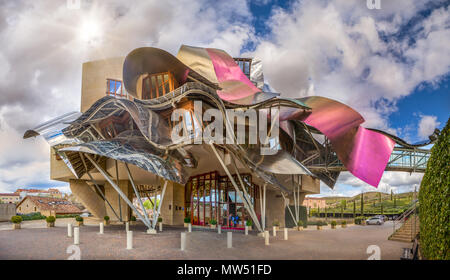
(434, 199)
(32, 216)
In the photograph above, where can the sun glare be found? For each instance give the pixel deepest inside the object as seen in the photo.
(90, 32)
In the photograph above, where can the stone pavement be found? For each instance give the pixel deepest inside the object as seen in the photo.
(34, 241)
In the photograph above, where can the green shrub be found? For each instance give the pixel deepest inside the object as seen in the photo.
(213, 222)
(159, 219)
(66, 216)
(333, 223)
(16, 219)
(434, 199)
(106, 218)
(32, 216)
(50, 219)
(187, 220)
(133, 219)
(360, 220)
(249, 223)
(78, 218)
(276, 223)
(344, 222)
(299, 223)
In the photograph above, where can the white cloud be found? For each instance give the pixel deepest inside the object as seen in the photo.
(336, 44)
(427, 124)
(40, 74)
(358, 56)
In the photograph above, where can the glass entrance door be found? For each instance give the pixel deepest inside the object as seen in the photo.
(210, 196)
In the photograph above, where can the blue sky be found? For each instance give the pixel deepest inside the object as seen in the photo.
(427, 98)
(392, 65)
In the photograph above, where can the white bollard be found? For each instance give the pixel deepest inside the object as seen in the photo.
(274, 231)
(76, 236)
(266, 237)
(183, 241)
(101, 228)
(127, 226)
(285, 234)
(69, 230)
(229, 239)
(246, 230)
(129, 240)
(219, 229)
(160, 226)
(189, 228)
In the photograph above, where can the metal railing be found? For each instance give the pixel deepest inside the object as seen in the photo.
(400, 220)
(401, 159)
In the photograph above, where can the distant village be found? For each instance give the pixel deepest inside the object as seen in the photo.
(48, 202)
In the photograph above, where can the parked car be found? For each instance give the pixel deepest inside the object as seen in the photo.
(374, 221)
(383, 217)
(85, 214)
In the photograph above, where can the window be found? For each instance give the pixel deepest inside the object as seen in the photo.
(156, 85)
(245, 65)
(114, 88)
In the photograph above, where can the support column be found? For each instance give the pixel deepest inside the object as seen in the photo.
(117, 188)
(137, 194)
(247, 207)
(155, 217)
(263, 216)
(88, 197)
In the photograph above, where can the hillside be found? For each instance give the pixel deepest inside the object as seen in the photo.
(374, 203)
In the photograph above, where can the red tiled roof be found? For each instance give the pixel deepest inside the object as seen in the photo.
(315, 198)
(59, 205)
(38, 191)
(9, 194)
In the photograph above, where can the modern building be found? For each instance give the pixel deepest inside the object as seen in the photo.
(47, 206)
(121, 145)
(9, 198)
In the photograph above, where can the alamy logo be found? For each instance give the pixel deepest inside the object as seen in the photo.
(208, 127)
(373, 4)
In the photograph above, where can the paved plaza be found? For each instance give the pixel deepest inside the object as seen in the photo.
(35, 241)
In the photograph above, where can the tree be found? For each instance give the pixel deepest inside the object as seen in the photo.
(354, 208)
(434, 201)
(381, 203)
(344, 204)
(391, 195)
(362, 204)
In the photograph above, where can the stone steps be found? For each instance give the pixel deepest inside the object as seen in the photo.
(406, 232)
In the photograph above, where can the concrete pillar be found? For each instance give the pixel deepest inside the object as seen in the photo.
(129, 240)
(76, 235)
(127, 226)
(219, 229)
(274, 231)
(189, 227)
(89, 198)
(183, 241)
(113, 198)
(160, 226)
(246, 230)
(69, 230)
(101, 228)
(229, 239)
(172, 208)
(266, 237)
(285, 234)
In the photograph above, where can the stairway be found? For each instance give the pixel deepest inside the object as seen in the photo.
(407, 232)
